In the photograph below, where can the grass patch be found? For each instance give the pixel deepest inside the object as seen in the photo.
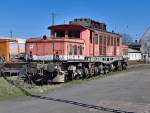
(8, 91)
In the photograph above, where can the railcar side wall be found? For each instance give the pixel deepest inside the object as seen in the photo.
(99, 43)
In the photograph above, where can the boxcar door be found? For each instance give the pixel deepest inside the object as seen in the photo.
(58, 48)
(40, 49)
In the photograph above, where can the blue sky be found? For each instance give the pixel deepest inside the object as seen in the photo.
(30, 18)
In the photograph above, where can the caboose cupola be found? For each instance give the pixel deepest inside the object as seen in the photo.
(66, 31)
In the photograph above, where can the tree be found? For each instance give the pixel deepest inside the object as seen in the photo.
(126, 39)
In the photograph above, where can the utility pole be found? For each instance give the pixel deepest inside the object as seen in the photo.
(11, 33)
(64, 21)
(53, 18)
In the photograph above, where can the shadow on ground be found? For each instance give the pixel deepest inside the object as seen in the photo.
(100, 108)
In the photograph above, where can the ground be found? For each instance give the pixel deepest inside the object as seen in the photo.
(121, 93)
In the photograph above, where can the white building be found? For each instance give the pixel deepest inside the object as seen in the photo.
(134, 54)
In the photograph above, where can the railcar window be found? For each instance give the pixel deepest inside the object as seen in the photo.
(112, 40)
(118, 42)
(70, 49)
(91, 40)
(75, 49)
(104, 47)
(105, 41)
(115, 43)
(108, 40)
(80, 50)
(96, 38)
(59, 34)
(107, 59)
(100, 39)
(74, 34)
(100, 45)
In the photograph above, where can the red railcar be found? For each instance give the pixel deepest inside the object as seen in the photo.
(83, 47)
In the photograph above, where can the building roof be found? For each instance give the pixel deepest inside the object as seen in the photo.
(7, 40)
(20, 40)
(135, 46)
(133, 51)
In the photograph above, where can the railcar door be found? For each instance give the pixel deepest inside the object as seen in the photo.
(58, 47)
(40, 49)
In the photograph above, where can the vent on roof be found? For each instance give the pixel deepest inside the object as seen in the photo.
(44, 37)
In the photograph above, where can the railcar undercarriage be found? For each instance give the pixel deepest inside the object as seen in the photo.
(58, 72)
(38, 72)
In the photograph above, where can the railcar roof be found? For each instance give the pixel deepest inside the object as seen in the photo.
(104, 31)
(38, 39)
(67, 26)
(7, 40)
(79, 26)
